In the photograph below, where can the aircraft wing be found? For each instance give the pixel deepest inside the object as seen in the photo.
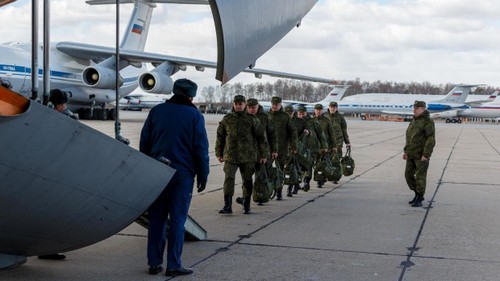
(247, 29)
(100, 53)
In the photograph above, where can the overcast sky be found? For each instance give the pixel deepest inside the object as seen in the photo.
(438, 41)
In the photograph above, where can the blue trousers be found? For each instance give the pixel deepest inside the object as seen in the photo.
(173, 204)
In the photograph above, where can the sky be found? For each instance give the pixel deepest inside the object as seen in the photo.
(445, 41)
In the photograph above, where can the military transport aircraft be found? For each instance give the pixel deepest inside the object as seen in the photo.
(87, 72)
(64, 185)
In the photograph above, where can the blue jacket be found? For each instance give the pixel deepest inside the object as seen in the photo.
(176, 130)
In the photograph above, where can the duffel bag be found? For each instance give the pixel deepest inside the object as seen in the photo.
(347, 163)
(262, 188)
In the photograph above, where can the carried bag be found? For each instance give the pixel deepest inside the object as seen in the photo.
(347, 163)
(292, 172)
(263, 187)
(275, 178)
(336, 168)
(304, 156)
(323, 168)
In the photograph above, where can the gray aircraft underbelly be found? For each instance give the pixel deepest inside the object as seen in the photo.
(64, 185)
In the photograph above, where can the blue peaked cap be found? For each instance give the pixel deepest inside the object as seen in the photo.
(185, 87)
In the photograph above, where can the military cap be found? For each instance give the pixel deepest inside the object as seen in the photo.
(56, 96)
(334, 103)
(302, 108)
(185, 87)
(318, 106)
(275, 99)
(419, 103)
(252, 102)
(288, 108)
(239, 98)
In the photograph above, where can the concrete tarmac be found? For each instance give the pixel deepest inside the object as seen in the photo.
(359, 229)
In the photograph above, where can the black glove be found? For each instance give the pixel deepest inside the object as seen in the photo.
(201, 185)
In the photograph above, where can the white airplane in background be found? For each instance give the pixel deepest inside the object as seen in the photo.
(336, 94)
(483, 110)
(148, 100)
(446, 106)
(88, 71)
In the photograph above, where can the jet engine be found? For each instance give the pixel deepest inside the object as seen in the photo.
(100, 77)
(156, 83)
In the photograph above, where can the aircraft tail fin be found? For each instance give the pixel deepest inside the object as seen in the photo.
(137, 29)
(458, 94)
(336, 94)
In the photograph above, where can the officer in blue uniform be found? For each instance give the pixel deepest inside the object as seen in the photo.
(175, 130)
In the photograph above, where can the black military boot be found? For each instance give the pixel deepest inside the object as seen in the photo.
(320, 184)
(278, 195)
(289, 193)
(227, 209)
(414, 198)
(246, 205)
(418, 201)
(239, 200)
(296, 188)
(307, 186)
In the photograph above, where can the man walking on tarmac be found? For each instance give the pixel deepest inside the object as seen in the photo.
(420, 141)
(237, 136)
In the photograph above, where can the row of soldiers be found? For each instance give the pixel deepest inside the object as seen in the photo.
(248, 137)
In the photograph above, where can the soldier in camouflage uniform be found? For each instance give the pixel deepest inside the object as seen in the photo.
(289, 110)
(339, 127)
(299, 126)
(287, 135)
(235, 146)
(314, 138)
(257, 110)
(420, 141)
(328, 130)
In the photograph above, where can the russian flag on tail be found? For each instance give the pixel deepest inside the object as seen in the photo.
(137, 29)
(457, 93)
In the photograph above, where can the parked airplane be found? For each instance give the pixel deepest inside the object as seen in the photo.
(402, 104)
(483, 110)
(148, 100)
(75, 186)
(88, 71)
(336, 94)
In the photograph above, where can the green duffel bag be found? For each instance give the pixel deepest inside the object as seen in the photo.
(322, 169)
(304, 156)
(291, 171)
(347, 163)
(275, 178)
(263, 187)
(336, 174)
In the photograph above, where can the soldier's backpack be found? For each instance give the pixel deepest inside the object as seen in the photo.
(263, 187)
(291, 171)
(347, 163)
(275, 178)
(323, 168)
(337, 169)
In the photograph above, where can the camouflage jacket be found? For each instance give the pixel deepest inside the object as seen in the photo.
(420, 136)
(286, 131)
(270, 129)
(237, 136)
(339, 127)
(327, 127)
(316, 139)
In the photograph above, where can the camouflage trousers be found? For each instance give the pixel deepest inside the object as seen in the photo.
(246, 171)
(416, 174)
